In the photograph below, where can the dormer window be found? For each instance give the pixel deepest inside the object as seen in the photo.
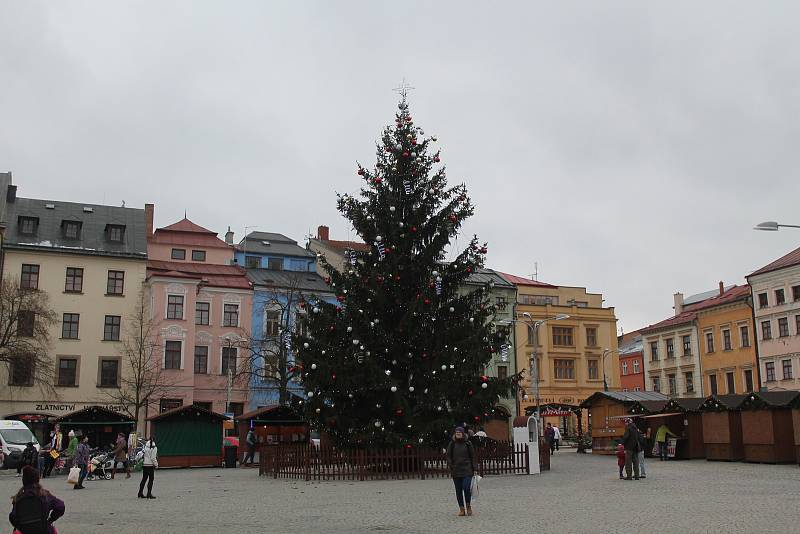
(115, 232)
(71, 229)
(28, 225)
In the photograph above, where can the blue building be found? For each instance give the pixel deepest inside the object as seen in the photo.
(276, 252)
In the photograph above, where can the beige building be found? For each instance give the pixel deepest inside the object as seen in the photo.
(569, 352)
(91, 261)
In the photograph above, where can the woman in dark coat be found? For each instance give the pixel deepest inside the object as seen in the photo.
(33, 506)
(461, 460)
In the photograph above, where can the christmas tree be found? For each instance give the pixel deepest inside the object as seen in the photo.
(400, 358)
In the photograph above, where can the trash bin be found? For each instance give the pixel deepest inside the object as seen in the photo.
(230, 456)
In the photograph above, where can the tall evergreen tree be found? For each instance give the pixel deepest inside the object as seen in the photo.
(401, 358)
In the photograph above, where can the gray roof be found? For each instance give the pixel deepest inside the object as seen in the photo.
(272, 244)
(700, 297)
(626, 396)
(633, 346)
(304, 281)
(483, 276)
(93, 218)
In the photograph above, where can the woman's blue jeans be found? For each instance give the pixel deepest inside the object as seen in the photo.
(463, 490)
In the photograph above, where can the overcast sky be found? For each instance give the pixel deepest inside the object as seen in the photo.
(626, 148)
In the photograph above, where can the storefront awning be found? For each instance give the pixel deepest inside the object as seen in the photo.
(642, 416)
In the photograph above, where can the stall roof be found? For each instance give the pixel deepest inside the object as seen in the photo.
(770, 399)
(653, 406)
(187, 408)
(725, 402)
(626, 397)
(94, 415)
(277, 413)
(685, 404)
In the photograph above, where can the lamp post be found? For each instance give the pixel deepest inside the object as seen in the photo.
(606, 352)
(772, 226)
(533, 328)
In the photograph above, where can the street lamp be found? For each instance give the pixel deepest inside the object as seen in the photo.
(533, 327)
(606, 352)
(772, 226)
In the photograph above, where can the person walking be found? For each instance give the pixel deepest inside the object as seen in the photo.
(82, 453)
(251, 440)
(642, 448)
(33, 508)
(29, 457)
(120, 453)
(621, 459)
(630, 440)
(556, 437)
(462, 464)
(149, 466)
(549, 436)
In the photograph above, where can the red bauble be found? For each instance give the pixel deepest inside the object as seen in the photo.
(470, 392)
(414, 229)
(377, 180)
(436, 159)
(387, 250)
(413, 141)
(484, 250)
(405, 153)
(361, 172)
(333, 376)
(398, 412)
(409, 118)
(328, 280)
(332, 422)
(332, 328)
(477, 418)
(469, 269)
(340, 298)
(432, 285)
(397, 278)
(338, 309)
(484, 378)
(453, 218)
(427, 301)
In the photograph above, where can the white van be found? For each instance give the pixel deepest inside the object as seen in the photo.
(14, 436)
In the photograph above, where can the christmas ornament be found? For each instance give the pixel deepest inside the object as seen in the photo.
(393, 389)
(392, 209)
(313, 365)
(484, 385)
(407, 186)
(438, 285)
(310, 394)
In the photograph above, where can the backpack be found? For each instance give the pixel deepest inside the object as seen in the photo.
(31, 515)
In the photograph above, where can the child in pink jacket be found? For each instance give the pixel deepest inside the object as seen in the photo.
(621, 459)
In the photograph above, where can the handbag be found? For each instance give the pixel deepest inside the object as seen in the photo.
(54, 454)
(74, 475)
(475, 486)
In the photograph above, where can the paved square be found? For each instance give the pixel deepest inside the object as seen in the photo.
(581, 494)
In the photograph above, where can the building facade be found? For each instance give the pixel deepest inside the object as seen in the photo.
(335, 252)
(90, 260)
(631, 362)
(568, 353)
(776, 299)
(275, 252)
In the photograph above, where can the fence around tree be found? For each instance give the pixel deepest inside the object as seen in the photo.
(310, 462)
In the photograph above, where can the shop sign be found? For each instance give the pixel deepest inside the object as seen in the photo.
(71, 407)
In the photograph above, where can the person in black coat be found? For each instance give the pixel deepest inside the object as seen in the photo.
(630, 440)
(462, 463)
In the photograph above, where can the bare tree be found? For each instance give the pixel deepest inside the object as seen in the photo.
(26, 320)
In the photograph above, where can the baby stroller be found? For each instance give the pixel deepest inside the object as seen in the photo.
(62, 465)
(100, 466)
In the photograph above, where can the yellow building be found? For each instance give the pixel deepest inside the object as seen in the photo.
(727, 338)
(569, 352)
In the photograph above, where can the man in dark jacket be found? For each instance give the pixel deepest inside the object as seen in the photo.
(29, 457)
(630, 440)
(462, 462)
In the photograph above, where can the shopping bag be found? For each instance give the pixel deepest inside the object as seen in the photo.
(74, 475)
(475, 489)
(54, 454)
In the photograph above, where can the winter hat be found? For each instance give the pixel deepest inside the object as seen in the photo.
(71, 433)
(30, 476)
(460, 429)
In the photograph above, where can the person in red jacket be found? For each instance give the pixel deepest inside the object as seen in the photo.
(621, 459)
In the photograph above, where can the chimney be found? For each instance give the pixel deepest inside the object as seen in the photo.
(11, 194)
(721, 288)
(149, 210)
(323, 233)
(229, 236)
(678, 303)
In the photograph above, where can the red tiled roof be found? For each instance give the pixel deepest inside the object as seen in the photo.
(344, 245)
(231, 276)
(689, 313)
(185, 225)
(520, 281)
(186, 233)
(790, 260)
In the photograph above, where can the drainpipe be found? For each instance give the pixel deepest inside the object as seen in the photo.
(752, 305)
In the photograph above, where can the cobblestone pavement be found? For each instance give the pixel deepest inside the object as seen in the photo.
(581, 494)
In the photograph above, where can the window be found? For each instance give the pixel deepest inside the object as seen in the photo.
(202, 313)
(748, 380)
(731, 383)
(30, 276)
(166, 405)
(624, 368)
(272, 319)
(230, 315)
(787, 369)
(689, 377)
(712, 384)
(783, 327)
(21, 371)
(673, 384)
(200, 360)
(69, 327)
(28, 225)
(636, 367)
(301, 324)
(198, 255)
(564, 369)
(687, 345)
(637, 388)
(252, 262)
(770, 368)
(744, 332)
(654, 351)
(71, 229)
(74, 282)
(562, 336)
(203, 405)
(115, 232)
(67, 371)
(500, 303)
(275, 264)
(502, 371)
(670, 349)
(538, 300)
(178, 254)
(172, 355)
(594, 369)
(726, 340)
(656, 384)
(228, 360)
(591, 336)
(174, 307)
(763, 301)
(780, 297)
(766, 330)
(797, 324)
(795, 293)
(109, 373)
(116, 282)
(709, 342)
(25, 323)
(112, 328)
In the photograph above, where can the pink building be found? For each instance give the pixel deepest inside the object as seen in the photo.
(202, 307)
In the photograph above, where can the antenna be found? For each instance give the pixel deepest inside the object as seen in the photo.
(535, 275)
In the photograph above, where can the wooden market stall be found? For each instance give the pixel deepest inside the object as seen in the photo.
(100, 424)
(767, 427)
(188, 436)
(683, 417)
(607, 410)
(796, 427)
(722, 427)
(273, 425)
